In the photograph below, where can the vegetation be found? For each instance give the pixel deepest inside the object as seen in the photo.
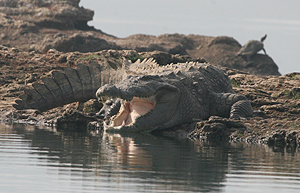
(90, 57)
(291, 94)
(295, 77)
(295, 126)
(235, 83)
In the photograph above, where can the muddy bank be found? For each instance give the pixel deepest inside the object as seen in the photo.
(274, 98)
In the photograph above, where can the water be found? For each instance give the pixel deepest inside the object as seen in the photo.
(34, 159)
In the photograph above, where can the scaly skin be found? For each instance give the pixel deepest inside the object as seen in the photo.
(181, 96)
(151, 96)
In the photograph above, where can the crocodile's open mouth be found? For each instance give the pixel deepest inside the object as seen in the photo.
(147, 103)
(130, 111)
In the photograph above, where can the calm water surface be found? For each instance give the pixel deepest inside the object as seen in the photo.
(34, 159)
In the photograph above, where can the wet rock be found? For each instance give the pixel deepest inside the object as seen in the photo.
(73, 120)
(293, 138)
(277, 138)
(28, 116)
(95, 126)
(92, 106)
(216, 129)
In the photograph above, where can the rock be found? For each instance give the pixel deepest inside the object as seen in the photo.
(63, 13)
(82, 42)
(73, 120)
(216, 129)
(92, 106)
(62, 59)
(95, 126)
(40, 25)
(277, 107)
(277, 138)
(25, 24)
(293, 138)
(222, 51)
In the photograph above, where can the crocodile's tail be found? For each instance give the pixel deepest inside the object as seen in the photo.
(63, 87)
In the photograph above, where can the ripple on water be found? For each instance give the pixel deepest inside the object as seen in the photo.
(34, 159)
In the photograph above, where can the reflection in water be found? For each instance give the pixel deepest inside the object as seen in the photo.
(138, 163)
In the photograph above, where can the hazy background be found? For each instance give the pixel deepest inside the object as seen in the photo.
(240, 19)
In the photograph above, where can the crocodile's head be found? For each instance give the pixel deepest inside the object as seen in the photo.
(147, 102)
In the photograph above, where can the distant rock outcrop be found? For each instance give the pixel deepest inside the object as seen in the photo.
(40, 25)
(64, 14)
(222, 51)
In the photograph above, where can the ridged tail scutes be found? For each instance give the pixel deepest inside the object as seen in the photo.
(51, 84)
(63, 87)
(95, 72)
(31, 99)
(63, 83)
(45, 93)
(85, 77)
(75, 83)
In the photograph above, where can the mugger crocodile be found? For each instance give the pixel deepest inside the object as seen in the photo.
(149, 96)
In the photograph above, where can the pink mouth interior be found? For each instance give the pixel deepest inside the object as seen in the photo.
(131, 111)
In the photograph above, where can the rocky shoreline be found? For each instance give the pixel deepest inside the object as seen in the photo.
(274, 98)
(38, 36)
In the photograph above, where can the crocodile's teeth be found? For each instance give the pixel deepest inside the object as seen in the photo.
(123, 123)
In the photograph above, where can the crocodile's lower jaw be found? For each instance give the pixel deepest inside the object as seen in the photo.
(131, 110)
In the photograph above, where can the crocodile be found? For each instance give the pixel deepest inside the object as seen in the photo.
(145, 96)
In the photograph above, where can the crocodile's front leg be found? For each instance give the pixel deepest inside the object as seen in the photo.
(241, 109)
(230, 105)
